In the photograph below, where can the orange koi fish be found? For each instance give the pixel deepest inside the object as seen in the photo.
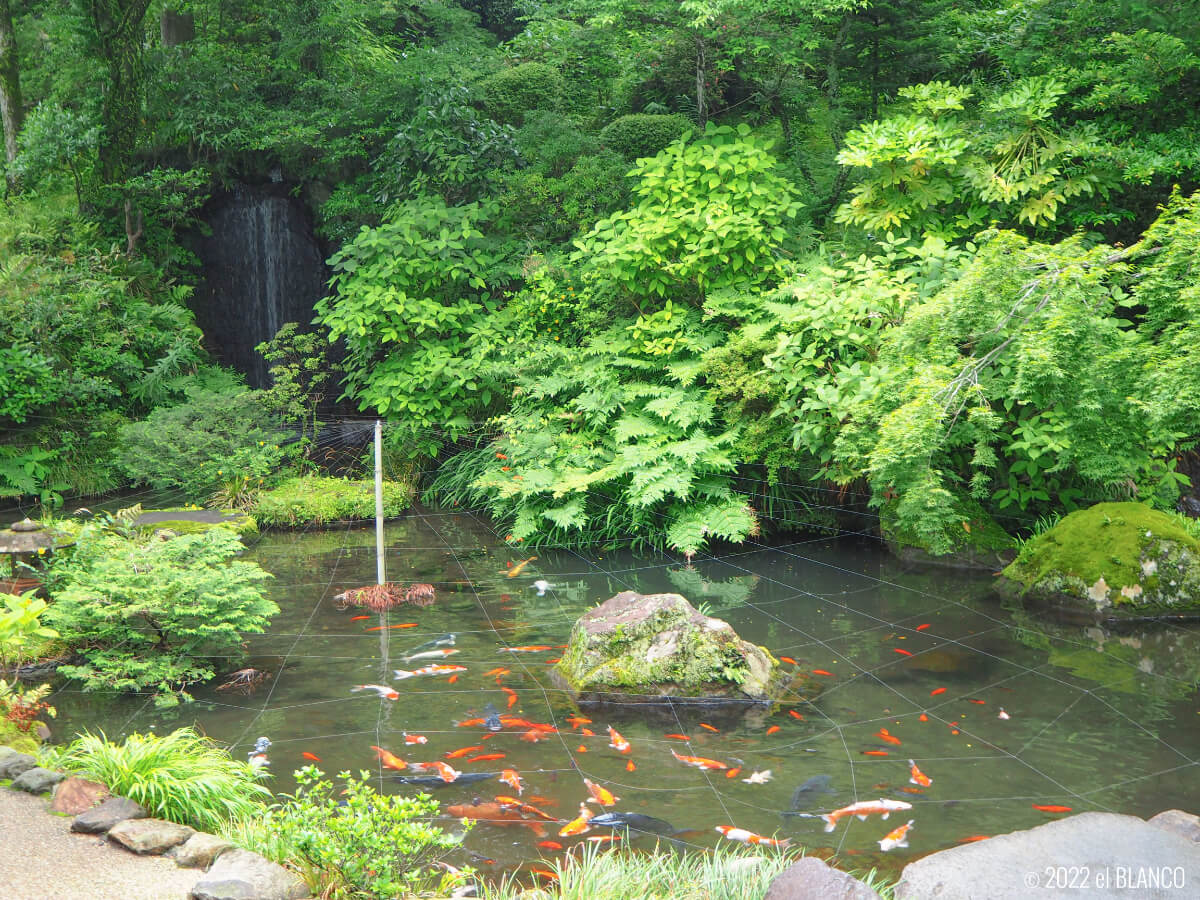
(498, 672)
(581, 749)
(445, 770)
(461, 752)
(508, 802)
(415, 738)
(517, 722)
(912, 790)
(532, 736)
(484, 757)
(923, 717)
(772, 729)
(554, 659)
(525, 807)
(545, 801)
(733, 773)
(901, 651)
(881, 807)
(516, 570)
(389, 760)
(550, 845)
(513, 779)
(937, 691)
(822, 672)
(617, 742)
(897, 837)
(358, 618)
(788, 659)
(887, 737)
(384, 692)
(629, 766)
(678, 737)
(918, 777)
(544, 873)
(311, 756)
(601, 795)
(587, 732)
(528, 648)
(976, 701)
(392, 627)
(874, 753)
(973, 838)
(512, 696)
(576, 721)
(922, 627)
(579, 825)
(452, 679)
(699, 761)
(708, 727)
(795, 715)
(749, 837)
(1052, 809)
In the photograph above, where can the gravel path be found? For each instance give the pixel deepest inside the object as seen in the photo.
(40, 859)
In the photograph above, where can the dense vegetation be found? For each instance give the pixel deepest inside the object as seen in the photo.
(650, 271)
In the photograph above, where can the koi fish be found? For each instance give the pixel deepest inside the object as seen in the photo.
(495, 814)
(887, 737)
(532, 736)
(734, 772)
(874, 753)
(772, 729)
(629, 766)
(911, 790)
(545, 801)
(498, 672)
(1052, 809)
(512, 696)
(922, 627)
(749, 837)
(601, 795)
(447, 772)
(759, 777)
(461, 752)
(864, 808)
(937, 691)
(923, 717)
(678, 737)
(554, 659)
(822, 672)
(389, 760)
(1002, 714)
(973, 838)
(508, 802)
(435, 669)
(545, 873)
(699, 761)
(918, 777)
(550, 845)
(452, 679)
(576, 721)
(795, 715)
(513, 779)
(897, 837)
(901, 651)
(587, 732)
(788, 659)
(414, 738)
(311, 756)
(528, 648)
(516, 570)
(708, 727)
(446, 640)
(430, 654)
(358, 618)
(617, 742)
(581, 749)
(484, 757)
(603, 838)
(579, 825)
(392, 627)
(976, 701)
(525, 807)
(384, 692)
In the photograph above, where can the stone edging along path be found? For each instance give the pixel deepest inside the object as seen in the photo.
(95, 855)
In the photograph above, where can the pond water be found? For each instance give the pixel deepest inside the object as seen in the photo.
(1096, 720)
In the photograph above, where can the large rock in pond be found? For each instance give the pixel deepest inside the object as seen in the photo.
(658, 649)
(1111, 562)
(974, 542)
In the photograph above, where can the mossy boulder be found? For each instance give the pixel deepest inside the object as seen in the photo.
(1113, 561)
(183, 520)
(657, 648)
(975, 542)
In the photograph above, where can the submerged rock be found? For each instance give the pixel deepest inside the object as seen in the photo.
(1052, 860)
(657, 648)
(1111, 562)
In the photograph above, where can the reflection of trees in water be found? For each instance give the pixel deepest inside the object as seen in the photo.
(717, 594)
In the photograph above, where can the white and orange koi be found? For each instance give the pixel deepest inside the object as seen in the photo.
(918, 777)
(600, 794)
(430, 654)
(749, 837)
(618, 743)
(699, 761)
(864, 808)
(579, 825)
(758, 777)
(384, 692)
(435, 669)
(897, 837)
(513, 779)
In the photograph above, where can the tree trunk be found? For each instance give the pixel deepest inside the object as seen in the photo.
(10, 83)
(701, 66)
(118, 27)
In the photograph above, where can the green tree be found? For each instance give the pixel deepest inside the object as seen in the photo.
(11, 110)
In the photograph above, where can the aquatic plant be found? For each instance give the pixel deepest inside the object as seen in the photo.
(382, 597)
(721, 875)
(351, 843)
(183, 776)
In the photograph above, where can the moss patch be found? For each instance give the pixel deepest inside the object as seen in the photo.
(1123, 558)
(977, 542)
(315, 500)
(197, 521)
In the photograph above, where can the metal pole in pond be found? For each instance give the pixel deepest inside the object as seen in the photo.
(378, 502)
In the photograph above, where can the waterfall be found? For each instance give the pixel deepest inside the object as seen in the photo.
(262, 268)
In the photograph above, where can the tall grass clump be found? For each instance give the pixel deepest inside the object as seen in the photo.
(720, 875)
(183, 776)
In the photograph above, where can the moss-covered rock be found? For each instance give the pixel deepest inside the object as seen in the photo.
(659, 648)
(1112, 561)
(183, 520)
(315, 500)
(976, 542)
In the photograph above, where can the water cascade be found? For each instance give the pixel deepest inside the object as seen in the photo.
(263, 267)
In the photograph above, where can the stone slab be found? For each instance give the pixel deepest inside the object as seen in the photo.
(810, 878)
(37, 780)
(75, 795)
(267, 880)
(199, 851)
(106, 815)
(1112, 852)
(149, 837)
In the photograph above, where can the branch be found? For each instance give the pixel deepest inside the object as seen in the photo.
(131, 233)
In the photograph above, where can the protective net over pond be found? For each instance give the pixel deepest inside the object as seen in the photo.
(1003, 712)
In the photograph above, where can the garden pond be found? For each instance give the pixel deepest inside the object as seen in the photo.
(1002, 711)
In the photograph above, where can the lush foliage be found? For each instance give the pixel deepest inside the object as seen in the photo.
(21, 635)
(353, 842)
(182, 777)
(149, 614)
(314, 500)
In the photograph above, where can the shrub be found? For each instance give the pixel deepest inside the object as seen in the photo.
(182, 777)
(510, 93)
(220, 431)
(352, 843)
(643, 134)
(314, 500)
(145, 614)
